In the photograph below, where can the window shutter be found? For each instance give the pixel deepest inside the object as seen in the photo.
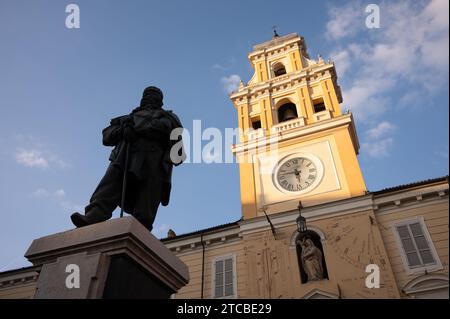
(219, 279)
(421, 243)
(224, 278)
(229, 277)
(408, 246)
(415, 245)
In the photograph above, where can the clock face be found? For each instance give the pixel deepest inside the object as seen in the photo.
(296, 174)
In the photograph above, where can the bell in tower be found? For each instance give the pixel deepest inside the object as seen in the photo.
(287, 112)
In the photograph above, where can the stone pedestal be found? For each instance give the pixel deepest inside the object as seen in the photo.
(118, 258)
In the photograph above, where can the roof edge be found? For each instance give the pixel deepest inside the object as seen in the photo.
(411, 185)
(202, 231)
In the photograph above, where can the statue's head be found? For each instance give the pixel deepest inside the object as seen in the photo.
(301, 240)
(310, 243)
(152, 97)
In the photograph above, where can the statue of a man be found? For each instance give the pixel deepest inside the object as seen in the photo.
(311, 259)
(141, 142)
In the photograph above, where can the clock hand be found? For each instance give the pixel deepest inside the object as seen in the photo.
(297, 174)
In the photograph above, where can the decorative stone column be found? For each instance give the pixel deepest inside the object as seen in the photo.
(118, 258)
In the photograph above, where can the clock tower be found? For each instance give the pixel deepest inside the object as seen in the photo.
(295, 143)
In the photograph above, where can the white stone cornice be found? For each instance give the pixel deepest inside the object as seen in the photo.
(19, 277)
(185, 252)
(340, 121)
(194, 241)
(410, 198)
(313, 213)
(415, 204)
(273, 55)
(275, 44)
(414, 193)
(314, 71)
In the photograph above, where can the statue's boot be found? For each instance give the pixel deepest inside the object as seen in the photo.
(80, 220)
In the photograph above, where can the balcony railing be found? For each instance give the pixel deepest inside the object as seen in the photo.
(289, 125)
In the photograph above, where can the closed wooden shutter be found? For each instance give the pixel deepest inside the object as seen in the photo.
(415, 245)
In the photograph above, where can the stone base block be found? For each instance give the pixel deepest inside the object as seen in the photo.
(118, 258)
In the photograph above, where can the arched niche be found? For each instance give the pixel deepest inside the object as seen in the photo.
(311, 262)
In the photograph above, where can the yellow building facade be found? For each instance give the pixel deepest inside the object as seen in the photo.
(296, 145)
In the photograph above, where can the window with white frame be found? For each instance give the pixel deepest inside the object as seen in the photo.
(416, 246)
(224, 282)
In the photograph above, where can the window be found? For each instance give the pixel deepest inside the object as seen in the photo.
(224, 282)
(319, 106)
(416, 246)
(279, 69)
(256, 123)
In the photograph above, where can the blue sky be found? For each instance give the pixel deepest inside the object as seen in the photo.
(59, 87)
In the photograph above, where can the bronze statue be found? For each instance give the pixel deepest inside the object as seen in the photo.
(138, 178)
(311, 258)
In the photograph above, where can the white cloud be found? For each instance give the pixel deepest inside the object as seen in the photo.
(58, 196)
(378, 144)
(38, 157)
(218, 66)
(409, 53)
(31, 158)
(410, 100)
(224, 66)
(60, 193)
(342, 61)
(363, 97)
(378, 148)
(344, 20)
(231, 83)
(382, 129)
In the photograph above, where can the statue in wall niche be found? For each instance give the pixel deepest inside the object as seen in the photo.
(311, 258)
(147, 144)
